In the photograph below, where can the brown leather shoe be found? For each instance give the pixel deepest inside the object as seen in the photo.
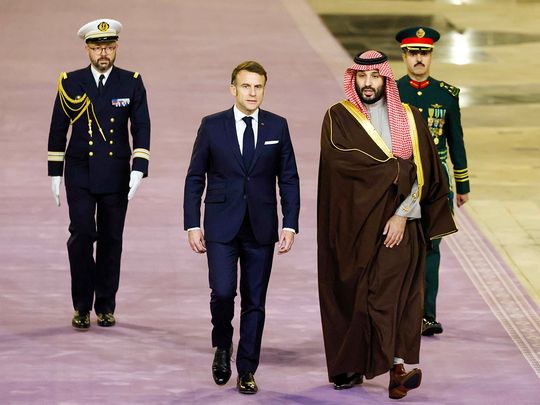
(402, 381)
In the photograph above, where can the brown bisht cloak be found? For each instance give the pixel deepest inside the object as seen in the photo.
(371, 297)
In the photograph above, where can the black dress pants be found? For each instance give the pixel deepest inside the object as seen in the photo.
(95, 218)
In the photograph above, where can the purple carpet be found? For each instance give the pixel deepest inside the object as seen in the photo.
(160, 350)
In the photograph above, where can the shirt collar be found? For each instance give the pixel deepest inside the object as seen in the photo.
(96, 73)
(238, 115)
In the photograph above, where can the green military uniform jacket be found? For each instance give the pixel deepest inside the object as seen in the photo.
(439, 103)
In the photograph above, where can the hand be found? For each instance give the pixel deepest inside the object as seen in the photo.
(461, 199)
(286, 240)
(55, 188)
(196, 241)
(394, 230)
(134, 182)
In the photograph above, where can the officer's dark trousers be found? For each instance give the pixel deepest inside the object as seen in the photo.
(255, 267)
(95, 218)
(433, 261)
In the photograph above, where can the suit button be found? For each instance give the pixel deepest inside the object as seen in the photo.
(110, 153)
(111, 131)
(111, 142)
(90, 154)
(112, 119)
(90, 143)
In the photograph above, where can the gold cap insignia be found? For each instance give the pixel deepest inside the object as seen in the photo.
(103, 26)
(420, 33)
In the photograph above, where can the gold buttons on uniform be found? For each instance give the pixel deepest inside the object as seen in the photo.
(90, 153)
(90, 143)
(111, 131)
(420, 109)
(112, 119)
(111, 142)
(419, 93)
(110, 153)
(436, 141)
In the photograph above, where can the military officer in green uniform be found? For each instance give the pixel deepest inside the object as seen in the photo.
(439, 103)
(102, 104)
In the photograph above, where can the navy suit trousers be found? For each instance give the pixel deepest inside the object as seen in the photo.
(255, 266)
(95, 218)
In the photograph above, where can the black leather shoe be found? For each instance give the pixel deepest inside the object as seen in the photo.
(430, 328)
(106, 319)
(343, 382)
(221, 366)
(81, 320)
(246, 384)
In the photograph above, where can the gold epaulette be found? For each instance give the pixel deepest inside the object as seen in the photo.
(136, 74)
(453, 90)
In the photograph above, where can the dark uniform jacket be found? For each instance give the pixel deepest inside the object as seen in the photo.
(99, 160)
(439, 104)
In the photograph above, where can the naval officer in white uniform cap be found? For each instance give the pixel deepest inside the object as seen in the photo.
(100, 169)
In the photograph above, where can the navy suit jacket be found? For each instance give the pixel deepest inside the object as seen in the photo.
(232, 188)
(101, 163)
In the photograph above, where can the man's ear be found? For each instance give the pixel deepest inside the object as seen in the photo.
(232, 89)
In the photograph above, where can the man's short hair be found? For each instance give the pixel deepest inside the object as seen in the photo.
(250, 66)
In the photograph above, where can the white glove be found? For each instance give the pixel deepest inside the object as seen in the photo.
(134, 182)
(55, 187)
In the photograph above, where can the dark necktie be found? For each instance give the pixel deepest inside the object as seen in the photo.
(248, 145)
(100, 85)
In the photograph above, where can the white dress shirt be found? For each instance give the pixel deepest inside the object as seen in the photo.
(241, 125)
(96, 73)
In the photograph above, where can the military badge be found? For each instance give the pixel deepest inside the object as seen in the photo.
(103, 26)
(420, 33)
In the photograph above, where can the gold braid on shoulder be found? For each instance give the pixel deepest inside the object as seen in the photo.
(78, 106)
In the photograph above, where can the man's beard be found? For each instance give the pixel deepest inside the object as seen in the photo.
(373, 99)
(103, 68)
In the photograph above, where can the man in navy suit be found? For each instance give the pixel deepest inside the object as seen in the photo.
(241, 152)
(98, 102)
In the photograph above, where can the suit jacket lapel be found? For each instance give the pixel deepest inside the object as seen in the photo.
(232, 138)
